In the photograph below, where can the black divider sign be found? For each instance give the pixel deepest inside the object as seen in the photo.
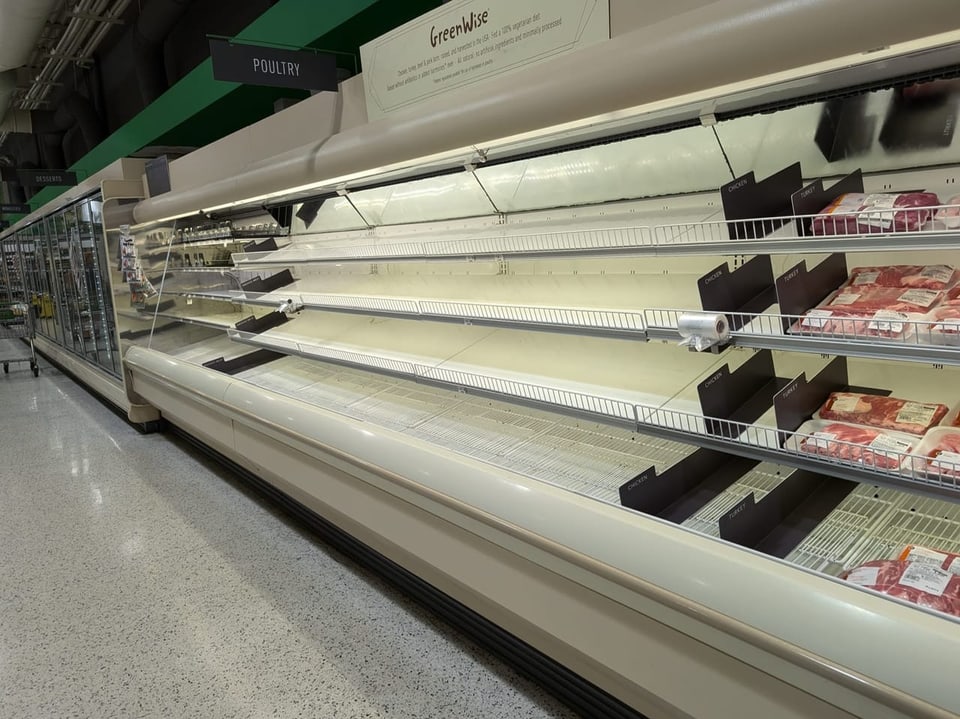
(268, 245)
(741, 396)
(813, 198)
(268, 284)
(244, 362)
(784, 517)
(748, 290)
(256, 325)
(799, 289)
(686, 487)
(744, 199)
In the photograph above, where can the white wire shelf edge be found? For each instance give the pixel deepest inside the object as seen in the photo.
(866, 231)
(884, 337)
(901, 470)
(579, 320)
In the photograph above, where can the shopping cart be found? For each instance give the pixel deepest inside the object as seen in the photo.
(17, 331)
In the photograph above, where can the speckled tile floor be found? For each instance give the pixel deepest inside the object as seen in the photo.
(138, 580)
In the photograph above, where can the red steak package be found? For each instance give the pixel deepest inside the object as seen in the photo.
(882, 412)
(864, 445)
(950, 216)
(894, 299)
(921, 583)
(944, 327)
(927, 277)
(942, 452)
(852, 323)
(858, 213)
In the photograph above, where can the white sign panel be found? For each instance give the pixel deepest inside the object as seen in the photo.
(469, 40)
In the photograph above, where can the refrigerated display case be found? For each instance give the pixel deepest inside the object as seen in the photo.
(456, 335)
(64, 262)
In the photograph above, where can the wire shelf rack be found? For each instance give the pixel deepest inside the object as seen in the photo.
(874, 463)
(868, 230)
(833, 545)
(876, 334)
(599, 321)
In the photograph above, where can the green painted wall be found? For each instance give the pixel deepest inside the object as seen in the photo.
(198, 109)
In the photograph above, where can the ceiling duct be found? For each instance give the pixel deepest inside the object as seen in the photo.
(154, 25)
(21, 24)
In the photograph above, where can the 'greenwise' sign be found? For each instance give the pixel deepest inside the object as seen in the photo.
(465, 41)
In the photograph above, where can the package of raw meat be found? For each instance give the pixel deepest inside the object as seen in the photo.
(839, 321)
(858, 213)
(926, 277)
(938, 455)
(894, 299)
(937, 557)
(921, 583)
(942, 326)
(881, 412)
(950, 214)
(852, 443)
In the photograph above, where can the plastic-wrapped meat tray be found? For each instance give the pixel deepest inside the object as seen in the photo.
(858, 213)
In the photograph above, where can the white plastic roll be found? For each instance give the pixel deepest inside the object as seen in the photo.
(704, 324)
(701, 330)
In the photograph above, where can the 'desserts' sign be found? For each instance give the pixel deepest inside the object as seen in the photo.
(469, 40)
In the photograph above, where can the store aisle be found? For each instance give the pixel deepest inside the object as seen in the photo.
(137, 580)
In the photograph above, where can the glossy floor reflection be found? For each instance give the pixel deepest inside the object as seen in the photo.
(138, 580)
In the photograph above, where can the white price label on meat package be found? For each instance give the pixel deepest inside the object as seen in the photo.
(849, 403)
(920, 298)
(887, 321)
(866, 278)
(954, 566)
(886, 443)
(926, 577)
(940, 273)
(845, 298)
(864, 576)
(925, 556)
(816, 318)
(952, 326)
(872, 211)
(821, 440)
(917, 413)
(947, 460)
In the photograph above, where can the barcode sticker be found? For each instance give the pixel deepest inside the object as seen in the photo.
(887, 443)
(940, 273)
(926, 556)
(949, 326)
(947, 460)
(821, 440)
(866, 278)
(917, 413)
(887, 321)
(816, 318)
(845, 298)
(920, 298)
(849, 403)
(872, 216)
(926, 577)
(864, 576)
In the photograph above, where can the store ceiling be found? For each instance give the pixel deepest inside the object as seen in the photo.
(191, 108)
